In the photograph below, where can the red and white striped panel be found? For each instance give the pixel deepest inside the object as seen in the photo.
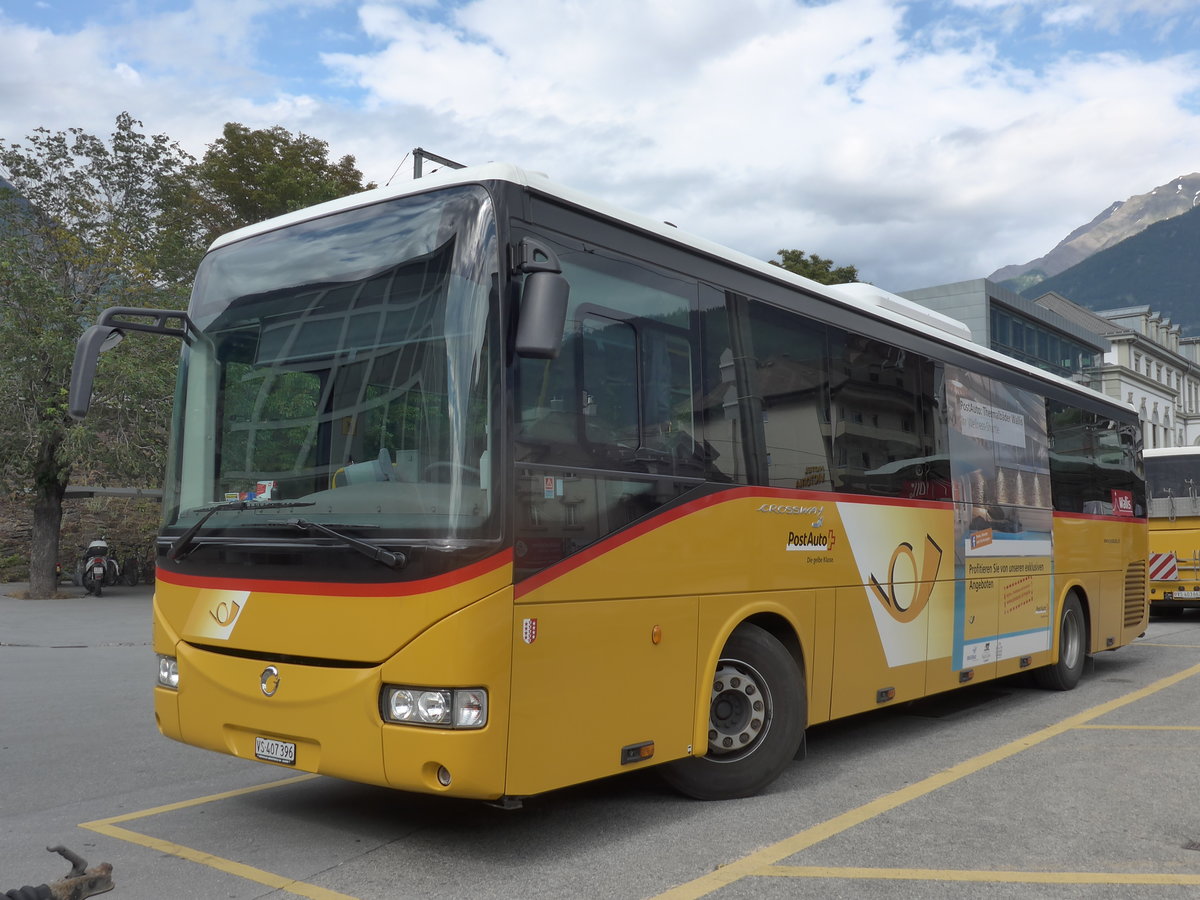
(1164, 567)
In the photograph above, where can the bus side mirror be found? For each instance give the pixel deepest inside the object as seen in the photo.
(542, 316)
(91, 344)
(543, 309)
(108, 331)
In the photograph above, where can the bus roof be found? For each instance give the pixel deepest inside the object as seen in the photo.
(865, 298)
(1171, 451)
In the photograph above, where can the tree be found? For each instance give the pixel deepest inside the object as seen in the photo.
(815, 267)
(247, 176)
(79, 231)
(91, 225)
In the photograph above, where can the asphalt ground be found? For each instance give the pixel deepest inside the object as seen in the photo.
(999, 790)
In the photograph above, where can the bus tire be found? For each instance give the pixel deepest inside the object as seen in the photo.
(757, 716)
(1072, 650)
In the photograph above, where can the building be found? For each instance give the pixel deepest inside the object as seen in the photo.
(1150, 365)
(1131, 354)
(1011, 324)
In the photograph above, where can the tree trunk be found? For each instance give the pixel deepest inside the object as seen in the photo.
(43, 556)
(50, 484)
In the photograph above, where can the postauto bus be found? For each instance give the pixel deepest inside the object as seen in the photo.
(480, 487)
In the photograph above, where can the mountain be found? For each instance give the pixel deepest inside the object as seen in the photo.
(1158, 267)
(1121, 221)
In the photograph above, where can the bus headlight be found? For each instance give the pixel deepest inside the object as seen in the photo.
(438, 707)
(168, 672)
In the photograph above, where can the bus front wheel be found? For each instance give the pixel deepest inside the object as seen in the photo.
(757, 716)
(1072, 650)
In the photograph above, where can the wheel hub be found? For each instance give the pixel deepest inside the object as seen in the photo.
(739, 714)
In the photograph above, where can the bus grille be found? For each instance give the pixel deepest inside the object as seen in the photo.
(1135, 593)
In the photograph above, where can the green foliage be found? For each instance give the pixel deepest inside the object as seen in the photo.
(83, 238)
(14, 567)
(95, 223)
(247, 176)
(78, 234)
(815, 267)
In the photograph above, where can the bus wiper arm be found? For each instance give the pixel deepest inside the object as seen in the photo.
(395, 560)
(180, 547)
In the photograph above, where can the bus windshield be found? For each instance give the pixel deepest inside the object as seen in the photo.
(1172, 474)
(347, 362)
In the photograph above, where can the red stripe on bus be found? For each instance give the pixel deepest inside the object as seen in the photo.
(342, 589)
(1092, 517)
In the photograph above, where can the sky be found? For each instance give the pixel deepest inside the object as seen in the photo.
(922, 142)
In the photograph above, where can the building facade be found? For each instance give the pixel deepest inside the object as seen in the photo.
(1011, 324)
(1150, 365)
(1131, 353)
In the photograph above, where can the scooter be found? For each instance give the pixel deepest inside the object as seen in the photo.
(99, 569)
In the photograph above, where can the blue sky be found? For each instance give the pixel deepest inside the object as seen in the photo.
(923, 142)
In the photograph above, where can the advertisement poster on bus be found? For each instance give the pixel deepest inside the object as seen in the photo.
(1003, 556)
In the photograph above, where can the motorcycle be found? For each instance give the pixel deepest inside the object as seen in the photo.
(99, 568)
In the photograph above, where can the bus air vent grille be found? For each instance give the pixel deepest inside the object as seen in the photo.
(1135, 593)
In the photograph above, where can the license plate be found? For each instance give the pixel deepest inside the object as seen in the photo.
(275, 751)
(1182, 595)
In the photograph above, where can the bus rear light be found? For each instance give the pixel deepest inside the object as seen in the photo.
(436, 707)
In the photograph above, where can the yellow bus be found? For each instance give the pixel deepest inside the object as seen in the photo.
(482, 488)
(1172, 476)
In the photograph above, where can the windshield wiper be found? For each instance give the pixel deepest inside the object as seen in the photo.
(395, 560)
(181, 546)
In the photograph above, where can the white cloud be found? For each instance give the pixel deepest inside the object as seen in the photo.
(919, 157)
(816, 127)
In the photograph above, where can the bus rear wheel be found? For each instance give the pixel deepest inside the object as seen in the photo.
(1072, 650)
(757, 716)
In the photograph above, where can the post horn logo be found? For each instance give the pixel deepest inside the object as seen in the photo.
(269, 681)
(904, 606)
(224, 613)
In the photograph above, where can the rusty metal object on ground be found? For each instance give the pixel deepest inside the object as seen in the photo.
(77, 884)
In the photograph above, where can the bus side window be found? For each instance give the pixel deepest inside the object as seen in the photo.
(882, 421)
(787, 369)
(667, 393)
(605, 433)
(547, 407)
(608, 397)
(1090, 457)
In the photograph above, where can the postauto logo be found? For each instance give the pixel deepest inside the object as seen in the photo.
(811, 540)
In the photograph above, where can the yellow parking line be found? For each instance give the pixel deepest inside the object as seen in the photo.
(110, 828)
(198, 801)
(760, 861)
(980, 875)
(1137, 727)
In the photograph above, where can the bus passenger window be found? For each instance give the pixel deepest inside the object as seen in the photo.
(1090, 457)
(882, 421)
(608, 395)
(788, 372)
